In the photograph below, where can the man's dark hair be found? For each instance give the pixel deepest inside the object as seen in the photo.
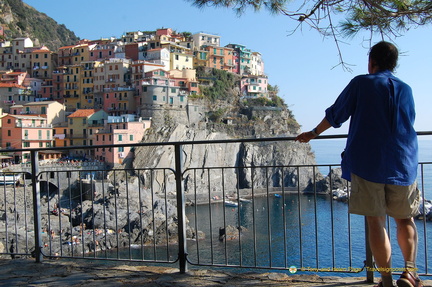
(384, 55)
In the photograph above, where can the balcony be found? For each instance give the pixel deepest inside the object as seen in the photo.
(39, 126)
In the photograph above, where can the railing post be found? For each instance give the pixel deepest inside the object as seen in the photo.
(36, 205)
(181, 213)
(369, 258)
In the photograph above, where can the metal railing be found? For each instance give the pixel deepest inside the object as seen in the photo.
(206, 216)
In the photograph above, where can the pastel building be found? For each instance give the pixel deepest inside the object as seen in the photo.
(52, 111)
(186, 80)
(158, 90)
(119, 101)
(87, 84)
(139, 69)
(81, 128)
(112, 73)
(65, 55)
(256, 65)
(252, 86)
(14, 77)
(221, 58)
(180, 57)
(71, 82)
(80, 53)
(119, 130)
(205, 39)
(102, 50)
(11, 94)
(42, 63)
(242, 57)
(159, 56)
(24, 132)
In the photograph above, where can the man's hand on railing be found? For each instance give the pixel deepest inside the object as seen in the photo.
(306, 137)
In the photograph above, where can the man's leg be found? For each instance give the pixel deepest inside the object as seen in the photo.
(380, 247)
(407, 238)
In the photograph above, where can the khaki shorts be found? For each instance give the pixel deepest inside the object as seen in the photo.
(377, 199)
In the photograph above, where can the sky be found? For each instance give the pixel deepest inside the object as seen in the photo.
(304, 65)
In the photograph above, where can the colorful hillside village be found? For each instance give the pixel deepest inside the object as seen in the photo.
(103, 91)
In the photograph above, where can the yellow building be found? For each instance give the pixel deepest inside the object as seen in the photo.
(180, 57)
(82, 125)
(80, 53)
(43, 62)
(71, 87)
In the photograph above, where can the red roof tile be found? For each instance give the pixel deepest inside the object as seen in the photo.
(83, 113)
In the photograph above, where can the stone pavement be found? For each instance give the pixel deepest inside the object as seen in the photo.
(26, 272)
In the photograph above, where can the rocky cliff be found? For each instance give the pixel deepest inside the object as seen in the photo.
(237, 160)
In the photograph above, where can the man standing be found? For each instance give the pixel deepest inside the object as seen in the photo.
(380, 158)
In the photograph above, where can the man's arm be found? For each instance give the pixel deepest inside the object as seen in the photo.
(320, 128)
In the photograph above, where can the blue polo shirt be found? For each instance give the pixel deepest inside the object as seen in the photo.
(382, 143)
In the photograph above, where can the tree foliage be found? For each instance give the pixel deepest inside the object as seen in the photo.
(223, 83)
(341, 18)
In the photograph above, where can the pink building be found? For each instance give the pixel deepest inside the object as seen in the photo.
(119, 101)
(252, 86)
(23, 132)
(121, 130)
(14, 77)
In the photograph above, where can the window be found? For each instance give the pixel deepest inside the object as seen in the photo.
(40, 134)
(121, 149)
(154, 98)
(131, 138)
(120, 138)
(9, 133)
(26, 144)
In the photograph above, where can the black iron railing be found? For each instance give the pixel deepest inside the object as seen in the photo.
(203, 216)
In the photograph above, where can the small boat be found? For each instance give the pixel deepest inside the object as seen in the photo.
(231, 203)
(245, 200)
(278, 195)
(7, 179)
